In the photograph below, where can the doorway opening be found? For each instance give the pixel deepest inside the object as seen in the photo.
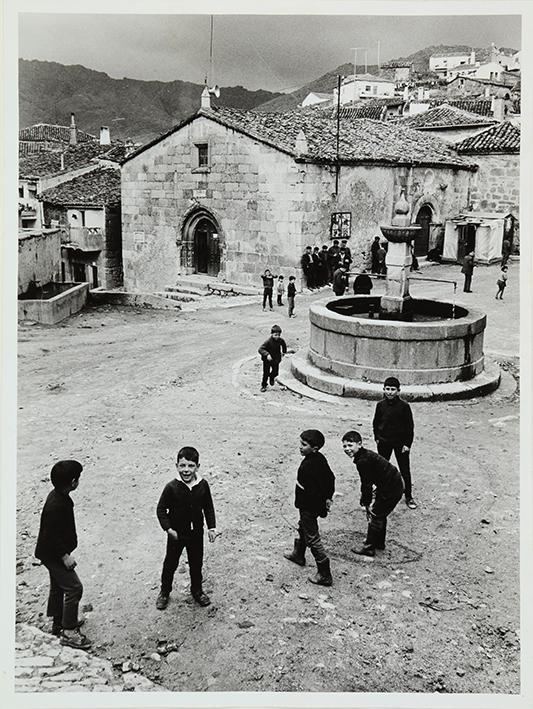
(201, 244)
(424, 217)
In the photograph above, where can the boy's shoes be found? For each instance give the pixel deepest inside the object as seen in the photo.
(263, 388)
(411, 504)
(57, 628)
(202, 598)
(366, 550)
(297, 555)
(271, 310)
(323, 575)
(75, 639)
(162, 602)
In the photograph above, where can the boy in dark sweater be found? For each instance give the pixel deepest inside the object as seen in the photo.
(315, 485)
(291, 295)
(56, 541)
(272, 351)
(375, 472)
(268, 286)
(394, 431)
(180, 511)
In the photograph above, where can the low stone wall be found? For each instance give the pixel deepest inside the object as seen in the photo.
(52, 310)
(139, 300)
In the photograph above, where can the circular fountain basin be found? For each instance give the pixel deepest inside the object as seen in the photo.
(439, 354)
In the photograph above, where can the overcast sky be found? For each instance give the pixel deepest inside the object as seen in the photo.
(275, 52)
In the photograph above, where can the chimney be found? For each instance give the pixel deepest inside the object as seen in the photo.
(472, 57)
(420, 93)
(73, 135)
(206, 98)
(300, 144)
(487, 91)
(498, 108)
(105, 138)
(62, 161)
(406, 93)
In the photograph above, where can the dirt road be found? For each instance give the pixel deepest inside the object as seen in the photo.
(122, 390)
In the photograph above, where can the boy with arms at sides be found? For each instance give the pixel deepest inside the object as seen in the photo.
(56, 541)
(315, 485)
(394, 431)
(375, 472)
(272, 351)
(291, 295)
(181, 509)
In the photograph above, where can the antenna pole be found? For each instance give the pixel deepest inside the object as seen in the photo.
(355, 70)
(337, 166)
(366, 61)
(211, 53)
(379, 47)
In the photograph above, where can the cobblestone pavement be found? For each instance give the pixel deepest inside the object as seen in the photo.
(42, 664)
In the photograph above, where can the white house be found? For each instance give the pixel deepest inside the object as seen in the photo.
(440, 63)
(315, 97)
(365, 86)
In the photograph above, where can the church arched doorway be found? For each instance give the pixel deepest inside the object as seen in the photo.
(201, 244)
(423, 218)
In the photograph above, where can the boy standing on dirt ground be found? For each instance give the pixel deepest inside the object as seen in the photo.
(272, 351)
(291, 295)
(56, 541)
(180, 511)
(374, 470)
(315, 485)
(394, 431)
(280, 290)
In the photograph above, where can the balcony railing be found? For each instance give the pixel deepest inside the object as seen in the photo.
(85, 238)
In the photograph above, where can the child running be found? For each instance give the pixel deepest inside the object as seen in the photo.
(502, 283)
(181, 509)
(272, 351)
(377, 472)
(291, 295)
(315, 485)
(56, 541)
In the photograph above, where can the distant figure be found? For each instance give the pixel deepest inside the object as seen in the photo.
(506, 251)
(414, 260)
(280, 290)
(348, 253)
(306, 263)
(333, 254)
(468, 270)
(434, 254)
(362, 284)
(340, 280)
(268, 286)
(272, 351)
(291, 295)
(345, 257)
(317, 267)
(502, 283)
(381, 256)
(323, 270)
(374, 248)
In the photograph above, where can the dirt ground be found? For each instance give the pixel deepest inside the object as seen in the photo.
(121, 390)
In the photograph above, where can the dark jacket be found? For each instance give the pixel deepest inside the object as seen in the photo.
(183, 509)
(340, 281)
(57, 532)
(393, 422)
(374, 470)
(315, 483)
(291, 289)
(306, 262)
(274, 348)
(268, 282)
(468, 265)
(362, 284)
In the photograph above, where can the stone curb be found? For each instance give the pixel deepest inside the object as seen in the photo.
(42, 664)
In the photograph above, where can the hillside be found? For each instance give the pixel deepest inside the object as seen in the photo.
(49, 92)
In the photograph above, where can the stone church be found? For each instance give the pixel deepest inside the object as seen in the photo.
(229, 192)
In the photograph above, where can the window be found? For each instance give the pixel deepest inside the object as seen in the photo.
(203, 155)
(21, 191)
(368, 88)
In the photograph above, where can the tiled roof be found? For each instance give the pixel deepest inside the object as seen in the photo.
(30, 148)
(47, 131)
(367, 77)
(49, 163)
(487, 82)
(444, 116)
(502, 138)
(361, 140)
(92, 189)
(363, 110)
(481, 106)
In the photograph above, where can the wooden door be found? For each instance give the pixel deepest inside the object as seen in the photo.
(422, 238)
(206, 249)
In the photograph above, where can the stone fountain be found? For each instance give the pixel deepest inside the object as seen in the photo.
(434, 347)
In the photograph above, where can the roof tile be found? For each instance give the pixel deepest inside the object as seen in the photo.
(444, 116)
(502, 138)
(97, 188)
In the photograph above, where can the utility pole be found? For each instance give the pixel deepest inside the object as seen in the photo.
(366, 61)
(337, 166)
(354, 49)
(379, 47)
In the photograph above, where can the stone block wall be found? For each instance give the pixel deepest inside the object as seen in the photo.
(496, 187)
(39, 258)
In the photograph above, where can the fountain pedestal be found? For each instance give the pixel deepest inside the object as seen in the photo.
(396, 302)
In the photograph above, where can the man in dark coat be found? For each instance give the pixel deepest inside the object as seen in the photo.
(340, 280)
(374, 248)
(362, 284)
(306, 263)
(468, 270)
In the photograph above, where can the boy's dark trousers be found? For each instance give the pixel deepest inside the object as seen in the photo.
(267, 294)
(468, 282)
(290, 302)
(377, 523)
(385, 450)
(195, 554)
(65, 594)
(280, 302)
(310, 535)
(270, 372)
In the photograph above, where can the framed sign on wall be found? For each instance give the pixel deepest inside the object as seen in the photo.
(341, 225)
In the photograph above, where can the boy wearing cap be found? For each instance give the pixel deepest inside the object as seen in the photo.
(272, 351)
(394, 431)
(56, 541)
(315, 485)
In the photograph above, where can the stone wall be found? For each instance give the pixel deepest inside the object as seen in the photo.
(39, 258)
(266, 205)
(496, 186)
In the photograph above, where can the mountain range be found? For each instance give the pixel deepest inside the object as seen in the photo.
(49, 92)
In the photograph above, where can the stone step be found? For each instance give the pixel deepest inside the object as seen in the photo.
(183, 296)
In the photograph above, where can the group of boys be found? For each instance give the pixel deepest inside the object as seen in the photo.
(186, 501)
(319, 265)
(268, 289)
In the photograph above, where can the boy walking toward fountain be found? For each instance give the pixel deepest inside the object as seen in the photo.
(272, 351)
(291, 295)
(394, 431)
(374, 472)
(315, 485)
(181, 509)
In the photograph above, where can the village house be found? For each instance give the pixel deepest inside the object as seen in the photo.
(360, 86)
(440, 63)
(87, 211)
(45, 137)
(229, 193)
(314, 97)
(471, 86)
(447, 122)
(399, 72)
